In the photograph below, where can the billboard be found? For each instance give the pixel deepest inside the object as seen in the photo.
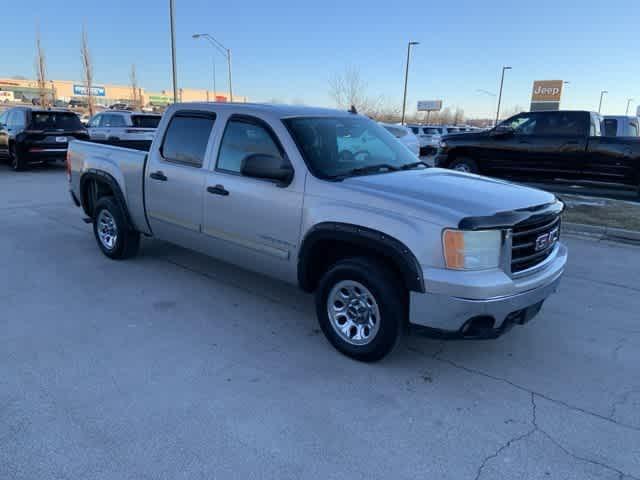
(81, 91)
(546, 95)
(429, 105)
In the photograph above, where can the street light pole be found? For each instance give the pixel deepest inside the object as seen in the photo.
(406, 80)
(173, 51)
(602, 94)
(628, 105)
(500, 94)
(222, 49)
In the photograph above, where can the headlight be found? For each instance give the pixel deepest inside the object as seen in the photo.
(472, 250)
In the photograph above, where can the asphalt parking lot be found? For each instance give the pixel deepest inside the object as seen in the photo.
(173, 365)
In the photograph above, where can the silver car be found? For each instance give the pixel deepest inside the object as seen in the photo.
(123, 126)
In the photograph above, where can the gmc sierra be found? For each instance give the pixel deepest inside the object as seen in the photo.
(332, 202)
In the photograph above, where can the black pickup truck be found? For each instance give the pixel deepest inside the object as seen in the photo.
(546, 146)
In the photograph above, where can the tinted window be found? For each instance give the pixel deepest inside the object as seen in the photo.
(610, 127)
(114, 121)
(95, 121)
(431, 131)
(145, 121)
(186, 139)
(633, 130)
(242, 138)
(523, 124)
(18, 118)
(560, 123)
(55, 121)
(415, 130)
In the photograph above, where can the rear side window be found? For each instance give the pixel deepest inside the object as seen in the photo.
(560, 123)
(633, 130)
(186, 138)
(55, 121)
(610, 127)
(113, 121)
(242, 138)
(145, 121)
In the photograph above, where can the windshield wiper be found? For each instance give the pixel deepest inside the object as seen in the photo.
(373, 169)
(409, 166)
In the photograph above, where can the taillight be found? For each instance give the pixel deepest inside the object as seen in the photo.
(67, 163)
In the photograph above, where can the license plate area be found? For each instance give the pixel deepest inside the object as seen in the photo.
(61, 139)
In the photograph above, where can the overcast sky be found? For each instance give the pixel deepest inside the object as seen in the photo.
(288, 50)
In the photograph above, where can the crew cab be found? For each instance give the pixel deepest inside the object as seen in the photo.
(620, 126)
(545, 146)
(35, 135)
(381, 239)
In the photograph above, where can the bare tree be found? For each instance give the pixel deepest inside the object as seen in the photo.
(87, 67)
(349, 89)
(41, 70)
(136, 104)
(458, 116)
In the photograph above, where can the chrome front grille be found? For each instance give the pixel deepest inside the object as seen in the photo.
(533, 241)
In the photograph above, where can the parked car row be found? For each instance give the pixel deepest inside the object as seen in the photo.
(36, 135)
(331, 202)
(429, 135)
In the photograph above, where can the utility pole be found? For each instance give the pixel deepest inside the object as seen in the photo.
(628, 106)
(406, 79)
(173, 51)
(602, 94)
(500, 94)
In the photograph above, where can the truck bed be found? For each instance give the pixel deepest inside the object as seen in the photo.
(125, 165)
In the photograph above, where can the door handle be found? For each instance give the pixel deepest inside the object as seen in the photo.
(159, 176)
(218, 190)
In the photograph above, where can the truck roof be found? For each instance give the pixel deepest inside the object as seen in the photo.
(281, 111)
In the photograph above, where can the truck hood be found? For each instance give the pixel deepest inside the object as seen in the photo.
(446, 194)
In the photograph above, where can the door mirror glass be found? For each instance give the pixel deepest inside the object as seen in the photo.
(270, 167)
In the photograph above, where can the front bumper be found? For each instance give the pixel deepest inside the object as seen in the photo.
(452, 313)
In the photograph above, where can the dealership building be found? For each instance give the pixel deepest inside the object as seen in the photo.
(106, 94)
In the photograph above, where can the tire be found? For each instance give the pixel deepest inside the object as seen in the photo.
(363, 289)
(464, 164)
(17, 162)
(114, 238)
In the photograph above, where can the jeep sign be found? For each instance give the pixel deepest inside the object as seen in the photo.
(546, 95)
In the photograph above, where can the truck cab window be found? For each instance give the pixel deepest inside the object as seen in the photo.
(242, 138)
(524, 124)
(610, 127)
(186, 139)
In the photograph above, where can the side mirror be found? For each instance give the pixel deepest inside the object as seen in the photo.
(260, 165)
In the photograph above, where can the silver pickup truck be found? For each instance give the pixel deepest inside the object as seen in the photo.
(332, 202)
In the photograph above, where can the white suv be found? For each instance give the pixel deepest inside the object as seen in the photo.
(123, 126)
(429, 137)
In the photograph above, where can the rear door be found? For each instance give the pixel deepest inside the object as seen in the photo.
(611, 159)
(174, 178)
(95, 127)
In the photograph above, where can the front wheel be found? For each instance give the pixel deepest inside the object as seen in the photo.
(114, 238)
(361, 309)
(466, 165)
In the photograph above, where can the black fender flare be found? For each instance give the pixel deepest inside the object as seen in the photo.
(370, 240)
(106, 178)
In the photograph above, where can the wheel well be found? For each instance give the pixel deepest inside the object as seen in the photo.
(94, 189)
(332, 243)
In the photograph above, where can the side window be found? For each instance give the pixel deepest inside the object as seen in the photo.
(610, 127)
(633, 129)
(415, 130)
(242, 138)
(117, 121)
(19, 118)
(186, 139)
(95, 121)
(4, 117)
(523, 124)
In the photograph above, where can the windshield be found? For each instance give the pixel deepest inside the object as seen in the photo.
(145, 121)
(55, 121)
(334, 147)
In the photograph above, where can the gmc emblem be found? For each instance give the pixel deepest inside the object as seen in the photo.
(547, 240)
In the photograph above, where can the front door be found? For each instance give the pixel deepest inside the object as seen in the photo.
(174, 181)
(252, 222)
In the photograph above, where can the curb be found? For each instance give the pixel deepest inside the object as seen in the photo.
(602, 233)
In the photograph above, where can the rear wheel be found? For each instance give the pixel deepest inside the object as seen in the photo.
(464, 164)
(361, 309)
(114, 238)
(16, 160)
